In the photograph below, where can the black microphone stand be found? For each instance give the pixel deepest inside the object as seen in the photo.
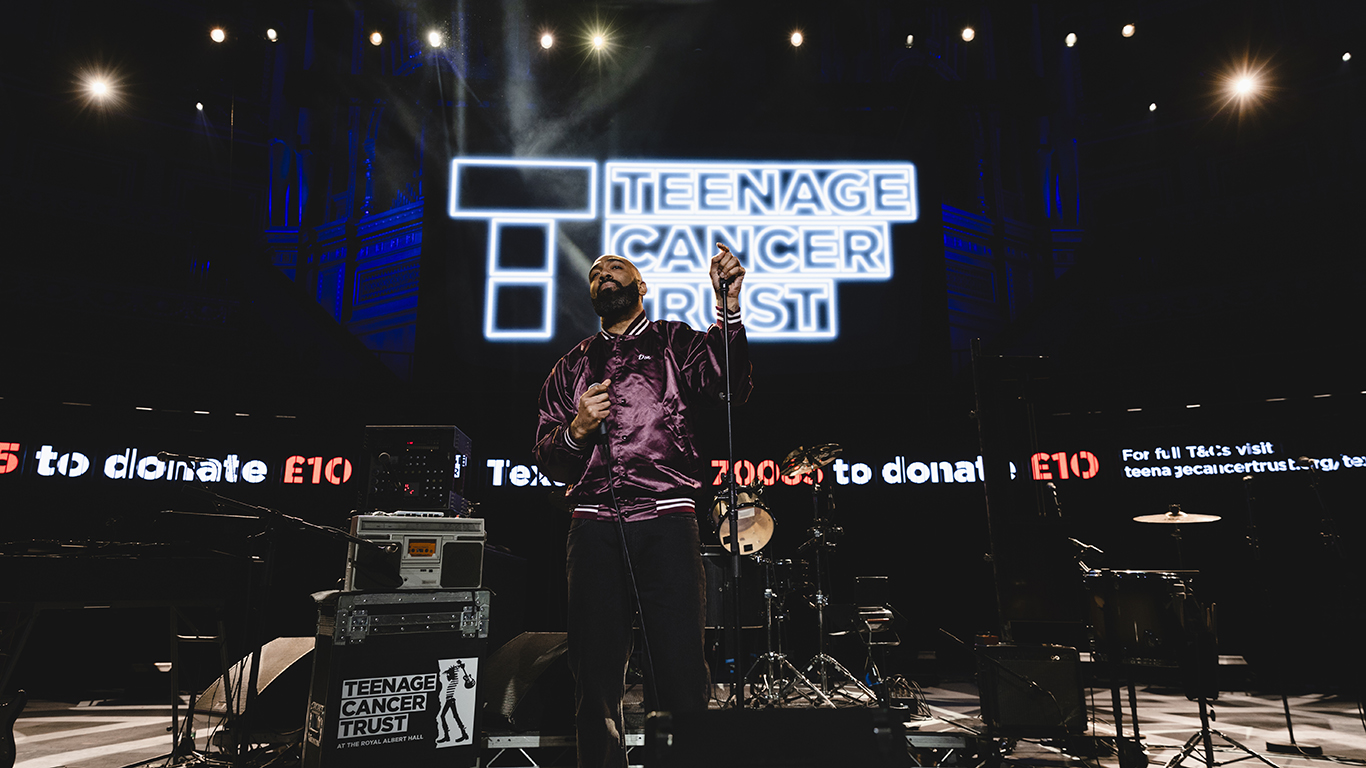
(738, 695)
(274, 520)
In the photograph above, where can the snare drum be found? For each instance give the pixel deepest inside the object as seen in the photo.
(754, 521)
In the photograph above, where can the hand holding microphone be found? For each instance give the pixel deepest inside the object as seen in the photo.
(595, 405)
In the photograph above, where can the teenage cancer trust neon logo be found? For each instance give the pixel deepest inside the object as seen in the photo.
(800, 229)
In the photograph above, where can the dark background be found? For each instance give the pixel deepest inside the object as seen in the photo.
(167, 258)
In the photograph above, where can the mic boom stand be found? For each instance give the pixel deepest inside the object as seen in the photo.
(739, 693)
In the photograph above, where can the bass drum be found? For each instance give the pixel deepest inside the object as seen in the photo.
(754, 520)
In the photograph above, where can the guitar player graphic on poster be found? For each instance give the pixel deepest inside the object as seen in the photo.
(457, 696)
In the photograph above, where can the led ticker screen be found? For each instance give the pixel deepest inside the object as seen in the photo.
(1123, 465)
(47, 460)
(800, 229)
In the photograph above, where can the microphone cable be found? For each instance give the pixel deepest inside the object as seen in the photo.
(626, 558)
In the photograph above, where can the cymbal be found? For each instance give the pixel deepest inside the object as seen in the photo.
(803, 460)
(1176, 518)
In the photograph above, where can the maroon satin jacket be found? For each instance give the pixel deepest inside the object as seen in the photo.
(660, 371)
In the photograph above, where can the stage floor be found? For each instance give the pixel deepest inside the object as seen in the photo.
(111, 734)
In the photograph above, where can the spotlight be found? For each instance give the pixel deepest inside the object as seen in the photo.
(1128, 30)
(218, 35)
(99, 88)
(1071, 39)
(968, 34)
(434, 39)
(547, 40)
(797, 39)
(199, 105)
(599, 42)
(376, 38)
(1152, 107)
(1347, 56)
(910, 41)
(1244, 85)
(272, 35)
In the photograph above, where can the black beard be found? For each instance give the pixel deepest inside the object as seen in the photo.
(611, 305)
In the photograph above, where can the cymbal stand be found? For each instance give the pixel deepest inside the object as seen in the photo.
(822, 534)
(773, 680)
(1175, 509)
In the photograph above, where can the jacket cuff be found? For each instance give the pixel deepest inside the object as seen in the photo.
(569, 441)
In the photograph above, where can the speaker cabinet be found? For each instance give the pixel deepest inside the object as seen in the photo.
(1031, 691)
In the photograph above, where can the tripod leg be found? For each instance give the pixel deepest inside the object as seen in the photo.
(1249, 752)
(817, 696)
(1186, 750)
(865, 690)
(1205, 731)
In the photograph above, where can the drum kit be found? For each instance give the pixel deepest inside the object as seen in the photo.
(773, 680)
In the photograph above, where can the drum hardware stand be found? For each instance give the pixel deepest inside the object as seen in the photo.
(1201, 674)
(1294, 747)
(1203, 735)
(1130, 749)
(823, 663)
(773, 680)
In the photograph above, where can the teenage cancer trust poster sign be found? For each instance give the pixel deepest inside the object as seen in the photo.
(800, 229)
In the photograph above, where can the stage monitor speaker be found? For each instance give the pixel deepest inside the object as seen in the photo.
(528, 686)
(776, 738)
(281, 686)
(1031, 691)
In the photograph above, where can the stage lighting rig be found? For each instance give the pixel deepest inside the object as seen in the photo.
(1071, 39)
(968, 34)
(796, 39)
(547, 40)
(1347, 56)
(218, 34)
(1128, 30)
(599, 41)
(376, 38)
(272, 35)
(434, 39)
(1152, 107)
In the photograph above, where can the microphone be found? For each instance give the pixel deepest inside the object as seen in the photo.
(1083, 546)
(602, 427)
(168, 456)
(1057, 502)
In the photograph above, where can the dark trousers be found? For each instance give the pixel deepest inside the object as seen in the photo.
(668, 567)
